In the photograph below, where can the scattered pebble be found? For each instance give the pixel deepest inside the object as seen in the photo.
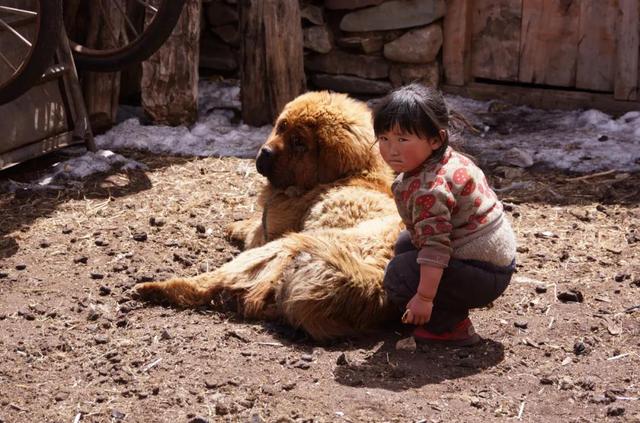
(140, 236)
(67, 230)
(541, 289)
(101, 339)
(571, 296)
(104, 290)
(156, 221)
(21, 266)
(165, 335)
(615, 411)
(521, 324)
(96, 275)
(81, 259)
(45, 244)
(579, 348)
(342, 360)
(406, 344)
(101, 242)
(3, 275)
(117, 415)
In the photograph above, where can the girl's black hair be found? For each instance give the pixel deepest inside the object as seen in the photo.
(415, 109)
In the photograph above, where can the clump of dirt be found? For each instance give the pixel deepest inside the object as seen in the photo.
(562, 344)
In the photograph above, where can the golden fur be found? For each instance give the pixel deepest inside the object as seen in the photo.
(316, 257)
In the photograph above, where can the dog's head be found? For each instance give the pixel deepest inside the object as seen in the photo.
(318, 138)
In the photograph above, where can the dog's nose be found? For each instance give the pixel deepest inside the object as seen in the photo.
(264, 161)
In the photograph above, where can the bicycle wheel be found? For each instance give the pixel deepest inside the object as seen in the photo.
(119, 33)
(29, 34)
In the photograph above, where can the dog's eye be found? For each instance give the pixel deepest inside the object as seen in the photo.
(298, 144)
(282, 126)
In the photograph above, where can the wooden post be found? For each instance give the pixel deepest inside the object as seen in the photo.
(102, 90)
(627, 51)
(457, 41)
(170, 77)
(272, 68)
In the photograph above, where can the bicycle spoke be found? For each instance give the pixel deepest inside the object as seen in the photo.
(112, 32)
(5, 60)
(147, 6)
(18, 11)
(129, 23)
(16, 33)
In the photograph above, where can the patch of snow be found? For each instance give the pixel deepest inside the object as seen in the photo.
(583, 141)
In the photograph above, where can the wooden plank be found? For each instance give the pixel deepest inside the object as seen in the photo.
(544, 98)
(627, 51)
(549, 42)
(597, 45)
(457, 40)
(170, 77)
(272, 68)
(496, 39)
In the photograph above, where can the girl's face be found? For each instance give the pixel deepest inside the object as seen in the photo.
(403, 151)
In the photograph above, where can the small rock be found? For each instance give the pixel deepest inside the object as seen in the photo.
(289, 386)
(302, 365)
(165, 335)
(571, 296)
(517, 157)
(406, 344)
(579, 348)
(66, 230)
(118, 415)
(101, 242)
(620, 277)
(521, 324)
(198, 420)
(104, 290)
(522, 249)
(81, 259)
(45, 244)
(566, 383)
(306, 357)
(269, 389)
(3, 275)
(101, 339)
(342, 360)
(615, 411)
(26, 314)
(545, 235)
(211, 384)
(603, 138)
(546, 380)
(96, 275)
(200, 228)
(222, 409)
(156, 221)
(541, 289)
(140, 236)
(21, 266)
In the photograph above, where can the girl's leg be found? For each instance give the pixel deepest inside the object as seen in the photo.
(464, 285)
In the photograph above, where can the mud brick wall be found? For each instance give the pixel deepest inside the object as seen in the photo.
(362, 47)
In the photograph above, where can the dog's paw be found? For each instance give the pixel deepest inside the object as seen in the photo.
(149, 291)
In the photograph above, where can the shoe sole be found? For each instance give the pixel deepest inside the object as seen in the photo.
(467, 342)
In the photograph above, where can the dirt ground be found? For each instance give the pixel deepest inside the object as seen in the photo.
(562, 345)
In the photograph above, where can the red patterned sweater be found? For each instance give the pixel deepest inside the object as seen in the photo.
(446, 204)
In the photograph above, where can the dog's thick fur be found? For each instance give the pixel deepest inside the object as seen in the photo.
(316, 258)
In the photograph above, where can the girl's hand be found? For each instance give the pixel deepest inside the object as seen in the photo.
(418, 311)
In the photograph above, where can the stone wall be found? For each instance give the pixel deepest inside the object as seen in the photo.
(363, 47)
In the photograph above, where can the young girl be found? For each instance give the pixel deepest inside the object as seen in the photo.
(458, 251)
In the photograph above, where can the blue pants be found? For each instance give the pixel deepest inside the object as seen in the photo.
(465, 284)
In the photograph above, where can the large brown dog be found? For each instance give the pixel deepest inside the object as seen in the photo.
(316, 258)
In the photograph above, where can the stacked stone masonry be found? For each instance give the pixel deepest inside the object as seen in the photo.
(363, 47)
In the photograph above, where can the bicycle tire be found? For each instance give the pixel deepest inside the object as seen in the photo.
(140, 49)
(49, 26)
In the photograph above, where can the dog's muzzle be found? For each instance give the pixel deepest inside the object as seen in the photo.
(264, 161)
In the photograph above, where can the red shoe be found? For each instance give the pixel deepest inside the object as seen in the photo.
(462, 335)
